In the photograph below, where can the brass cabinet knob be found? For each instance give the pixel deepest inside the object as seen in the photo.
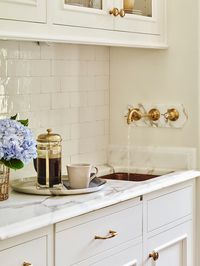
(122, 13)
(110, 235)
(154, 255)
(114, 12)
(27, 264)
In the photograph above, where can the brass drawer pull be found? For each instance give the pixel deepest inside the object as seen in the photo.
(110, 235)
(27, 264)
(154, 255)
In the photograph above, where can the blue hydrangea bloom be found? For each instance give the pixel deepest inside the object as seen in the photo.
(16, 141)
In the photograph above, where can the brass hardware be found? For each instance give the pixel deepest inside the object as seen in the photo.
(110, 235)
(171, 114)
(27, 264)
(122, 13)
(115, 12)
(154, 114)
(134, 114)
(154, 255)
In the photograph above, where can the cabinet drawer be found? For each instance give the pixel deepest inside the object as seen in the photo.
(79, 243)
(168, 208)
(33, 251)
(123, 255)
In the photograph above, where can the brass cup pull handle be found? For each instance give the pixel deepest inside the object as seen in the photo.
(27, 264)
(110, 235)
(114, 12)
(154, 255)
(122, 13)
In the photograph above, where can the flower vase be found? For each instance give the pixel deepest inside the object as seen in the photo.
(4, 182)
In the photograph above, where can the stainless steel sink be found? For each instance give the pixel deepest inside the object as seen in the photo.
(129, 177)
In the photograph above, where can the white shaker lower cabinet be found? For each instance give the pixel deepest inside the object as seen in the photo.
(168, 226)
(111, 236)
(31, 249)
(156, 230)
(172, 247)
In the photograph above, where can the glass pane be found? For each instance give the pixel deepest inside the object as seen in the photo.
(138, 7)
(85, 3)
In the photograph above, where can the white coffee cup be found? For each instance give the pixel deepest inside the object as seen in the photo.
(80, 175)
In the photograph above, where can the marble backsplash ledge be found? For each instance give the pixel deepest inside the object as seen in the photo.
(152, 159)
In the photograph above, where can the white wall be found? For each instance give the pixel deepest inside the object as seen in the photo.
(60, 86)
(158, 76)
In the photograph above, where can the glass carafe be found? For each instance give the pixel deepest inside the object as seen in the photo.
(48, 163)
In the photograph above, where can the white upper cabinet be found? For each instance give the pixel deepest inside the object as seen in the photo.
(23, 10)
(102, 22)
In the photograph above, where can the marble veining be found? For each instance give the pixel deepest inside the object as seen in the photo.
(22, 213)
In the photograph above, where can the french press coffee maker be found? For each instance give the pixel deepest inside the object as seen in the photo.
(48, 162)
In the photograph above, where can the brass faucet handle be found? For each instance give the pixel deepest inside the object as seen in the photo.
(172, 114)
(154, 114)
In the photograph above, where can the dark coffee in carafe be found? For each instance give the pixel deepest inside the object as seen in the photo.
(48, 162)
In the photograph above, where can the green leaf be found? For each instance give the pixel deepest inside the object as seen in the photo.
(24, 122)
(13, 163)
(13, 117)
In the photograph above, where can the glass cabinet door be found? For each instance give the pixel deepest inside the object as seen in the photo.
(138, 7)
(97, 4)
(141, 16)
(84, 13)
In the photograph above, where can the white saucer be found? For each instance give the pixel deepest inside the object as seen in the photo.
(28, 186)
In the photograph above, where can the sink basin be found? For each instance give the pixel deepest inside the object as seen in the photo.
(129, 177)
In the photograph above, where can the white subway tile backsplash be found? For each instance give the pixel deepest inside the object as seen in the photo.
(60, 86)
(102, 82)
(102, 53)
(87, 52)
(40, 102)
(19, 103)
(96, 98)
(29, 50)
(50, 85)
(40, 68)
(78, 99)
(70, 84)
(9, 49)
(18, 68)
(4, 106)
(88, 114)
(60, 100)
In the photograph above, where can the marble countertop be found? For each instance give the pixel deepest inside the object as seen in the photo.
(22, 213)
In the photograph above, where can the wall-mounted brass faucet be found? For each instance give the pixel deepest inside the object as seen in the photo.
(135, 114)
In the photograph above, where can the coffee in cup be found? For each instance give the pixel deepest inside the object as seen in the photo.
(80, 175)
